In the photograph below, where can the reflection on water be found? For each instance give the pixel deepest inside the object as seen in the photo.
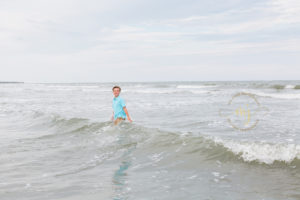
(120, 178)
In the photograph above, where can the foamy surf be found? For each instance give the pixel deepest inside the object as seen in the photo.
(261, 152)
(279, 95)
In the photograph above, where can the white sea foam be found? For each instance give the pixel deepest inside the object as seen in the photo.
(290, 86)
(279, 95)
(261, 151)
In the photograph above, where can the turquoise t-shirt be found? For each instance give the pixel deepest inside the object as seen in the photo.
(118, 104)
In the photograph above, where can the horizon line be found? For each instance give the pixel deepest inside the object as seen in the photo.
(71, 82)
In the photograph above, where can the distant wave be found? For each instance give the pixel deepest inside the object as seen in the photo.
(297, 87)
(270, 85)
(279, 95)
(169, 91)
(195, 86)
(281, 87)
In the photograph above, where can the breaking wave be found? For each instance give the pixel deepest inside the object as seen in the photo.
(105, 134)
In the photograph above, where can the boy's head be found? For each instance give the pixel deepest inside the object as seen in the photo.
(116, 90)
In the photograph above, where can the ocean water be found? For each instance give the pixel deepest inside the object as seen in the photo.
(188, 140)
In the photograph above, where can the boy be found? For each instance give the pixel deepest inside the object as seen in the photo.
(120, 111)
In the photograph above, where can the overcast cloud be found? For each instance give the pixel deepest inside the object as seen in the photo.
(135, 40)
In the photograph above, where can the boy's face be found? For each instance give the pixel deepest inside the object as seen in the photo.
(116, 92)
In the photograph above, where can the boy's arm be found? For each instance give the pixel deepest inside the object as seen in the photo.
(127, 114)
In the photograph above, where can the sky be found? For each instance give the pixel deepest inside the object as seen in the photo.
(149, 40)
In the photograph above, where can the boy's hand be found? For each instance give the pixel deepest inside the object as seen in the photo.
(129, 120)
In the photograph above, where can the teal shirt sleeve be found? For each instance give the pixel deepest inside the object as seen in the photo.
(122, 103)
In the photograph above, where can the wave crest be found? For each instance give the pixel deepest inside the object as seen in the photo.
(184, 144)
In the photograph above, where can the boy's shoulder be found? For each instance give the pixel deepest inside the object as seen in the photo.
(122, 100)
(119, 98)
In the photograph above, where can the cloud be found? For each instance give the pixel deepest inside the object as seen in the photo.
(83, 38)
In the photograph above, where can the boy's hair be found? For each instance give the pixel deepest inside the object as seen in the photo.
(116, 87)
